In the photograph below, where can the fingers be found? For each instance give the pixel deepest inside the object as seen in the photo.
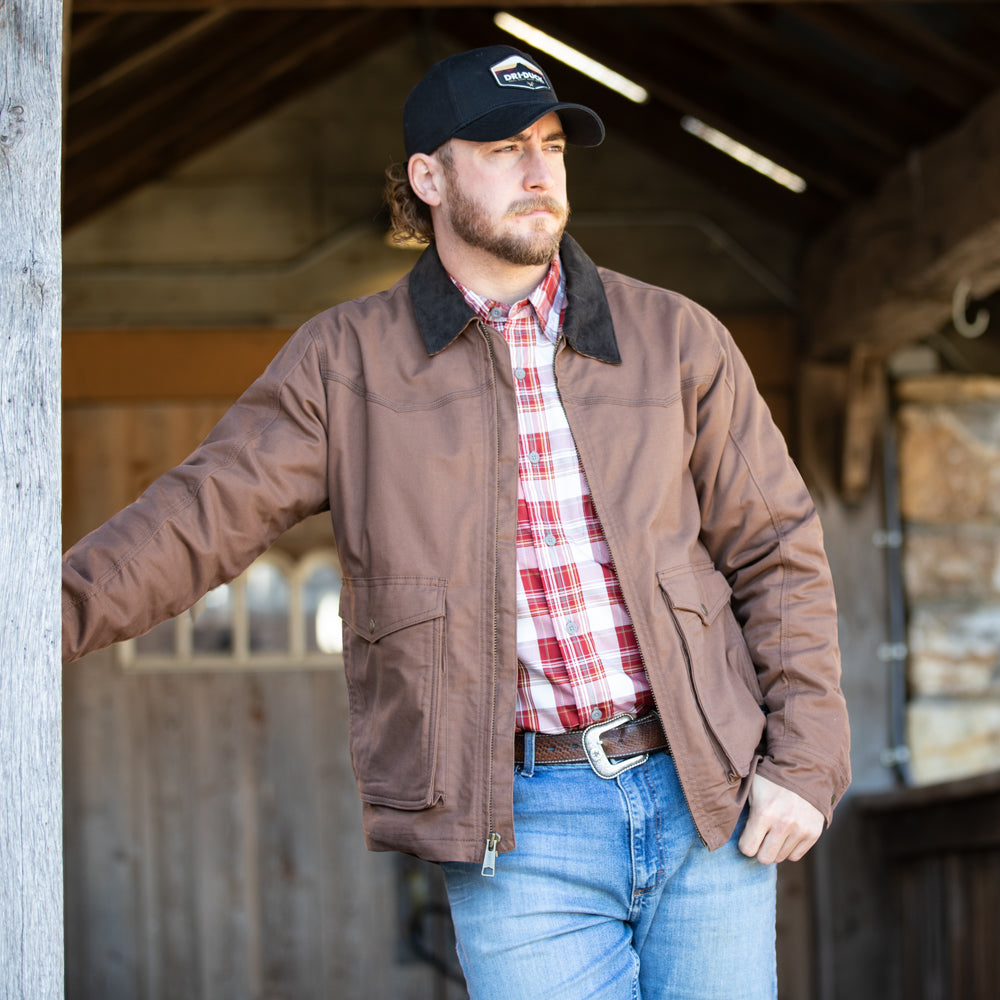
(781, 826)
(774, 847)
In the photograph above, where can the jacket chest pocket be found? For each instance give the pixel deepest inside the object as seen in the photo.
(722, 673)
(394, 666)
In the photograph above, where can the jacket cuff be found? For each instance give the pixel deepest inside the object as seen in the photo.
(810, 777)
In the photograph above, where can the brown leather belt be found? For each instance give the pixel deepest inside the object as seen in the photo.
(620, 738)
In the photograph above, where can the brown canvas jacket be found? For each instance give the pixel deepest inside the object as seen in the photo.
(396, 412)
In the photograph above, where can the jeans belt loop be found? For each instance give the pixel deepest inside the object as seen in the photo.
(528, 766)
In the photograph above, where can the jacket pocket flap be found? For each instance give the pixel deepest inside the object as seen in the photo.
(703, 593)
(377, 607)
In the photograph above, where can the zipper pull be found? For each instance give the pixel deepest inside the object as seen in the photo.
(490, 857)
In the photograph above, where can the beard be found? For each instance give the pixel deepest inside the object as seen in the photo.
(471, 222)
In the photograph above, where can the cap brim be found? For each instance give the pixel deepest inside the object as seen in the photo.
(581, 125)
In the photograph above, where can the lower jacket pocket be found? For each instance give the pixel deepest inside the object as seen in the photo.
(722, 673)
(394, 660)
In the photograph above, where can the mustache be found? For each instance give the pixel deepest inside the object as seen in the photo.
(541, 203)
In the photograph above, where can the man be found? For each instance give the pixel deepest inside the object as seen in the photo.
(590, 634)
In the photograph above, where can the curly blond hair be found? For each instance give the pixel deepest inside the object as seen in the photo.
(409, 216)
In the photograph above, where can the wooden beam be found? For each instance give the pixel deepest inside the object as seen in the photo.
(151, 5)
(31, 841)
(103, 365)
(164, 364)
(956, 816)
(885, 274)
(865, 413)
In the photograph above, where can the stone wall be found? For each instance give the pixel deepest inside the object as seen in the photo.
(949, 468)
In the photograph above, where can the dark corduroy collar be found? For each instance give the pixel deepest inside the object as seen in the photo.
(442, 312)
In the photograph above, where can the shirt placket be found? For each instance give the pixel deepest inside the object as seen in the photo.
(552, 486)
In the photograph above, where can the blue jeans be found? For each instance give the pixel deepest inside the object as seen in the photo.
(611, 895)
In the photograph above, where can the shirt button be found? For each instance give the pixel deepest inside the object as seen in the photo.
(496, 313)
(519, 374)
(550, 539)
(534, 458)
(596, 715)
(571, 627)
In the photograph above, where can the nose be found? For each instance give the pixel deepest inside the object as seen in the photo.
(538, 174)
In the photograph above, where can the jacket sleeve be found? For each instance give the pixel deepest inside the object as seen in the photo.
(262, 469)
(762, 529)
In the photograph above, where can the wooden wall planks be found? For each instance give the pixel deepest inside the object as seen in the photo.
(214, 847)
(939, 848)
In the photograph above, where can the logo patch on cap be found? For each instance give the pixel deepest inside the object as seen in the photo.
(516, 71)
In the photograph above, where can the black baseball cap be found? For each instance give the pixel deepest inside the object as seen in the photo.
(488, 94)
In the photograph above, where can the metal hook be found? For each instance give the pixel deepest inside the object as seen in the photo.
(960, 312)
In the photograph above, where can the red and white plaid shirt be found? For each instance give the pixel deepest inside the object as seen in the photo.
(578, 659)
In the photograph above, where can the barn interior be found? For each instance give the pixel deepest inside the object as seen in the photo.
(823, 176)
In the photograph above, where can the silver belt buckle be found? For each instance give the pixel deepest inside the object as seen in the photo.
(599, 761)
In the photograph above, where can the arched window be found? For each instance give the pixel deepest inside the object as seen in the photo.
(279, 614)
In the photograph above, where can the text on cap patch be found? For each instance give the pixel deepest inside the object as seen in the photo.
(516, 71)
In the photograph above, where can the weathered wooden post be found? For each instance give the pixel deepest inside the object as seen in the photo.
(31, 882)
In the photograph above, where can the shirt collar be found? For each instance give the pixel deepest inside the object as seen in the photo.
(548, 301)
(441, 312)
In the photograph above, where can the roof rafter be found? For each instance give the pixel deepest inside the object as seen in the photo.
(901, 50)
(745, 40)
(92, 71)
(678, 77)
(656, 127)
(151, 5)
(134, 130)
(885, 274)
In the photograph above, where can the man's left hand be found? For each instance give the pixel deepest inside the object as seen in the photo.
(781, 825)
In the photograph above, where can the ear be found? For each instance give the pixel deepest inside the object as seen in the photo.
(426, 177)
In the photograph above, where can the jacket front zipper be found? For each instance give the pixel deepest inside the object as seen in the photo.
(492, 837)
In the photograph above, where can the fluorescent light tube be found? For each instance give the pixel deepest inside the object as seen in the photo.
(745, 155)
(564, 53)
